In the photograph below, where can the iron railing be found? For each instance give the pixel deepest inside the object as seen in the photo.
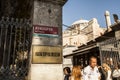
(15, 43)
(110, 52)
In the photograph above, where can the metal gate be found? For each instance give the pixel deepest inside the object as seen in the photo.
(15, 43)
(110, 52)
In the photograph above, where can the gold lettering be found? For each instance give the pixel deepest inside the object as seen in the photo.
(50, 54)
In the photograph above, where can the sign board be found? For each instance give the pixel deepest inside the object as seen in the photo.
(45, 30)
(39, 40)
(46, 54)
(44, 35)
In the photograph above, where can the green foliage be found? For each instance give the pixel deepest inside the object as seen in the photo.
(16, 8)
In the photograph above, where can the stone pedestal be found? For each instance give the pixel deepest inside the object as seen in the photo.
(46, 72)
(47, 13)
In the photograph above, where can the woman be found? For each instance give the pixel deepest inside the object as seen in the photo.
(67, 73)
(107, 70)
(102, 73)
(76, 73)
(116, 73)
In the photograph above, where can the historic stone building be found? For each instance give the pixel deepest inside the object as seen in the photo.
(81, 32)
(105, 47)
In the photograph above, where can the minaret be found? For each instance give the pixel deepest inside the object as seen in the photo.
(107, 17)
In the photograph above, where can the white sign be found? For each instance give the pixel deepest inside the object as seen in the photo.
(37, 40)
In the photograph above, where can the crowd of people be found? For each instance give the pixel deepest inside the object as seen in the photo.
(92, 72)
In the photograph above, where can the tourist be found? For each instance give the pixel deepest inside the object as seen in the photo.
(107, 70)
(91, 72)
(76, 73)
(116, 73)
(102, 73)
(67, 73)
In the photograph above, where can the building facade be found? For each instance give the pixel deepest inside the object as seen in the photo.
(67, 62)
(81, 32)
(105, 48)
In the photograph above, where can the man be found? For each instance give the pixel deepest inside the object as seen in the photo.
(91, 71)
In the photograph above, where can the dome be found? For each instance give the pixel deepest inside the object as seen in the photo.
(80, 21)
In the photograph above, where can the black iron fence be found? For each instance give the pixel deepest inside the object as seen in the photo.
(110, 52)
(15, 43)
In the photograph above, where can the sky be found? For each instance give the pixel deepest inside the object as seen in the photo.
(87, 9)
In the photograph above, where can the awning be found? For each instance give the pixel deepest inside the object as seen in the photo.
(83, 50)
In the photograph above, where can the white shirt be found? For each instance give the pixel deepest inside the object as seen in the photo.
(91, 74)
(109, 75)
(116, 73)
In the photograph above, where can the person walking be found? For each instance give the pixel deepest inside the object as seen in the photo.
(91, 72)
(108, 71)
(67, 73)
(76, 73)
(102, 73)
(116, 73)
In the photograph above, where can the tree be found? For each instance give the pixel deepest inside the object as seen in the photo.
(16, 8)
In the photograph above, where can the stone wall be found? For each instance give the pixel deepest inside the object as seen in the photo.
(46, 72)
(47, 14)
